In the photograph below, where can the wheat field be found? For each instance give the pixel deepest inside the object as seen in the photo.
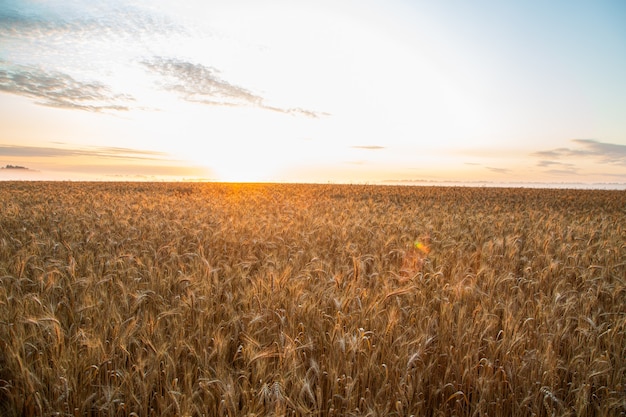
(182, 299)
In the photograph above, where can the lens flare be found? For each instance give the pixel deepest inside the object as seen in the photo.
(421, 247)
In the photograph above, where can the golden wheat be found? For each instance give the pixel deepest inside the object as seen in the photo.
(332, 300)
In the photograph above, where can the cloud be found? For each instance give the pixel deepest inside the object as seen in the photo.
(202, 84)
(93, 151)
(556, 166)
(95, 37)
(499, 170)
(56, 22)
(606, 153)
(368, 147)
(199, 83)
(48, 47)
(127, 153)
(94, 162)
(55, 89)
(144, 171)
(296, 111)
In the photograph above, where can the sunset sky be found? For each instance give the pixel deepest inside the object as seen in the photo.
(314, 91)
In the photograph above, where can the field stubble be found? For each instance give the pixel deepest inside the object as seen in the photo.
(222, 299)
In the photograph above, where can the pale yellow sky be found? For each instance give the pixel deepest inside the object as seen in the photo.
(376, 92)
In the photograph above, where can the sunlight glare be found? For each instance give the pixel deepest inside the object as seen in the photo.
(244, 167)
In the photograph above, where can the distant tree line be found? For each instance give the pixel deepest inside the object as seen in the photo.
(14, 167)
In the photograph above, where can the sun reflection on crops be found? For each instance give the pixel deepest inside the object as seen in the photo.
(415, 256)
(422, 247)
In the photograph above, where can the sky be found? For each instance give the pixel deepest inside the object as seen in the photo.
(340, 91)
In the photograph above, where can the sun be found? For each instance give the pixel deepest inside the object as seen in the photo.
(245, 168)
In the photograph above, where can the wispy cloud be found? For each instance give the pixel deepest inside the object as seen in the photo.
(55, 89)
(203, 84)
(94, 162)
(199, 83)
(607, 153)
(89, 36)
(368, 147)
(558, 167)
(61, 54)
(296, 111)
(499, 170)
(93, 151)
(56, 22)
